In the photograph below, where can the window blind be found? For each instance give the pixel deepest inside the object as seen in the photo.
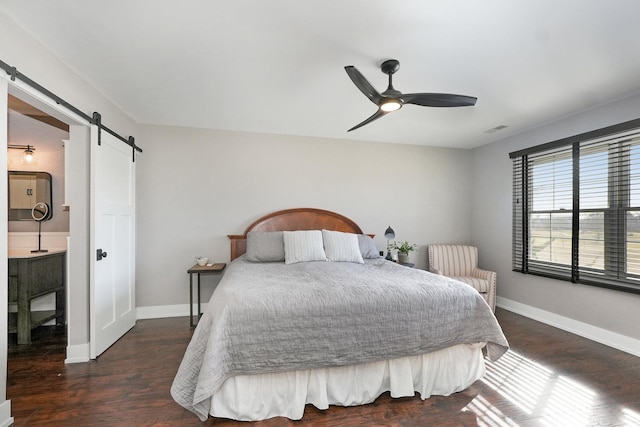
(576, 209)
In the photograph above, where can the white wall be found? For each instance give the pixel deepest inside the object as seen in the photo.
(618, 312)
(197, 186)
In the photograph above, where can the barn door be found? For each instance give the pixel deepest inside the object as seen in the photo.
(112, 276)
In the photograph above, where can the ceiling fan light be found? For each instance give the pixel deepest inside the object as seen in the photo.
(391, 105)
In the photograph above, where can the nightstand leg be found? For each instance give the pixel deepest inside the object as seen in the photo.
(198, 296)
(191, 299)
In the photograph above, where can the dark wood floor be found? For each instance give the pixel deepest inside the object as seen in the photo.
(548, 378)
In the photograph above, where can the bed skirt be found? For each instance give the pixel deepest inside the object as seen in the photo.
(285, 394)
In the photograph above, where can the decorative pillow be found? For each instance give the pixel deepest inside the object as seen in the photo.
(368, 248)
(265, 246)
(341, 247)
(303, 246)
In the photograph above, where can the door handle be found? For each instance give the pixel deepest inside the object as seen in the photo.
(101, 254)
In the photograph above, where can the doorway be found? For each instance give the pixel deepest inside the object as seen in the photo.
(92, 152)
(44, 158)
(72, 201)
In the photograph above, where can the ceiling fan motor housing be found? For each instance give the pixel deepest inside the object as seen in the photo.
(390, 66)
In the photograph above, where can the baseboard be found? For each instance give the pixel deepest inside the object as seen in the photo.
(163, 311)
(77, 353)
(5, 414)
(594, 333)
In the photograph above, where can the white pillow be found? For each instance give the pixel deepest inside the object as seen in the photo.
(342, 247)
(303, 246)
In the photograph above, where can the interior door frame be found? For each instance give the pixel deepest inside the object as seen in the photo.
(77, 256)
(5, 405)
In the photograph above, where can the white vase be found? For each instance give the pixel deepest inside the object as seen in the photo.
(403, 258)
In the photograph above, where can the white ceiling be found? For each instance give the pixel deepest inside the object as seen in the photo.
(277, 66)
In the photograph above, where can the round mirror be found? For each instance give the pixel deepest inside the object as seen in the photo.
(40, 211)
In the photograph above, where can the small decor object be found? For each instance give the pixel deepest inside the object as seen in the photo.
(403, 248)
(39, 213)
(389, 234)
(201, 261)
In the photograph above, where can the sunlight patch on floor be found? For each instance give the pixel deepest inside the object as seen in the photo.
(630, 417)
(487, 414)
(569, 403)
(552, 399)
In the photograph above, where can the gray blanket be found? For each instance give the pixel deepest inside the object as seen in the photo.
(270, 317)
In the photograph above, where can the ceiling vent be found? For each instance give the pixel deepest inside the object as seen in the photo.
(496, 129)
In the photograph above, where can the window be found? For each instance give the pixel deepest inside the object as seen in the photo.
(576, 208)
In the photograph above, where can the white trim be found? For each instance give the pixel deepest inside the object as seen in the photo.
(594, 333)
(42, 102)
(77, 353)
(164, 311)
(5, 406)
(5, 414)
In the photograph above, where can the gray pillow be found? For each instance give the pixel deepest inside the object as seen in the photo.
(367, 247)
(265, 246)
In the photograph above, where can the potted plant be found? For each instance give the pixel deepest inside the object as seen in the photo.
(403, 248)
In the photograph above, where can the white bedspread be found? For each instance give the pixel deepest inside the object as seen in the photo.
(272, 317)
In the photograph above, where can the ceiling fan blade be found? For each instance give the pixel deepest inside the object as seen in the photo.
(361, 83)
(375, 116)
(439, 99)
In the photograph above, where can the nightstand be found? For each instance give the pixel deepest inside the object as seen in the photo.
(217, 268)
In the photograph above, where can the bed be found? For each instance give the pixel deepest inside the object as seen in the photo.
(285, 327)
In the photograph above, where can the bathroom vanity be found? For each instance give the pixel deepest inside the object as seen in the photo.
(32, 275)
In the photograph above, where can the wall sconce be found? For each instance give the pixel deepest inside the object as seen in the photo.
(389, 234)
(28, 151)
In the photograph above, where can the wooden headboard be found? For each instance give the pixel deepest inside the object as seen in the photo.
(292, 220)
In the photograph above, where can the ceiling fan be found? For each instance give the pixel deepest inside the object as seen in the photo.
(392, 100)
